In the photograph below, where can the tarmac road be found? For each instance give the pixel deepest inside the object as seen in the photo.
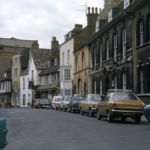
(41, 129)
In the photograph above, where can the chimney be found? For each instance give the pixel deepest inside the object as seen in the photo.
(78, 27)
(35, 45)
(54, 47)
(92, 16)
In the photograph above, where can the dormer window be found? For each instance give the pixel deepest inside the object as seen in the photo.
(70, 34)
(126, 3)
(110, 15)
(55, 61)
(66, 37)
(49, 63)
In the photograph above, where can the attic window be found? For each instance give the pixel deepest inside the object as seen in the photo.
(55, 61)
(110, 15)
(126, 3)
(49, 63)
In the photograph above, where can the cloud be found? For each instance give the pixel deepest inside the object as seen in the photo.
(40, 20)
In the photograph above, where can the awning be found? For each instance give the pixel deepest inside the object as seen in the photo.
(48, 87)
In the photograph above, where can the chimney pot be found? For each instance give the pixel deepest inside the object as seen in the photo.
(96, 10)
(92, 10)
(100, 10)
(78, 26)
(88, 10)
(53, 38)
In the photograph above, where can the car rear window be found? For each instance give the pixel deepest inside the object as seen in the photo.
(95, 98)
(58, 99)
(124, 97)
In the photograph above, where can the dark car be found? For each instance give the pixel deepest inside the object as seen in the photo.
(3, 132)
(44, 103)
(74, 103)
(147, 112)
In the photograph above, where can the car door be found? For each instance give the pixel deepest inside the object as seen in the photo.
(105, 105)
(87, 104)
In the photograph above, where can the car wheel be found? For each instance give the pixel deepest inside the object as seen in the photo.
(98, 116)
(72, 110)
(90, 113)
(123, 119)
(81, 111)
(109, 117)
(138, 120)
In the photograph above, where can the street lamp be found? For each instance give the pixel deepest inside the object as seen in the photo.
(114, 65)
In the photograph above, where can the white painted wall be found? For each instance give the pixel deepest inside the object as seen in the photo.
(25, 91)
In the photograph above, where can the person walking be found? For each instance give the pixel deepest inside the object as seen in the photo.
(28, 103)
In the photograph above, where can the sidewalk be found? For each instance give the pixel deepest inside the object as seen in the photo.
(143, 119)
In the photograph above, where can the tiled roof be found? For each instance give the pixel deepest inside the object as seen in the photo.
(40, 57)
(49, 70)
(46, 87)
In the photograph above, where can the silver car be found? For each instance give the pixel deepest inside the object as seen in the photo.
(65, 102)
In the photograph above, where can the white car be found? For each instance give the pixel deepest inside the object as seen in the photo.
(56, 102)
(65, 102)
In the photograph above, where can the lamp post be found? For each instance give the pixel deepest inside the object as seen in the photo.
(114, 65)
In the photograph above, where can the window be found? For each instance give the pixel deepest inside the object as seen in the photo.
(100, 55)
(141, 32)
(15, 85)
(124, 42)
(76, 62)
(15, 72)
(68, 56)
(23, 83)
(16, 60)
(124, 80)
(107, 49)
(82, 60)
(141, 81)
(32, 75)
(68, 92)
(46, 78)
(126, 3)
(85, 89)
(49, 63)
(110, 15)
(53, 77)
(55, 61)
(67, 75)
(115, 47)
(63, 58)
(24, 100)
(80, 87)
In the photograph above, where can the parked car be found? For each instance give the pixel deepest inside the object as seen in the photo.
(74, 103)
(89, 104)
(44, 103)
(56, 102)
(121, 103)
(147, 112)
(65, 102)
(3, 133)
(36, 103)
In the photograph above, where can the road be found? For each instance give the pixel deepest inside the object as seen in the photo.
(38, 129)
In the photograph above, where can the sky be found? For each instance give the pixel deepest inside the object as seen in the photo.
(42, 19)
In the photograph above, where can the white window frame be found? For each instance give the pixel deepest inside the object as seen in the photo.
(67, 75)
(126, 3)
(68, 92)
(124, 80)
(141, 32)
(107, 49)
(55, 61)
(110, 15)
(115, 47)
(124, 37)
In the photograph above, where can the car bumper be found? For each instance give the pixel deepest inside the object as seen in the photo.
(127, 113)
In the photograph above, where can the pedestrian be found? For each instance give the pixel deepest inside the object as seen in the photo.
(28, 103)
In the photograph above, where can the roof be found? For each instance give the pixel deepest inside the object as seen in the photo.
(8, 76)
(24, 72)
(40, 57)
(46, 87)
(49, 70)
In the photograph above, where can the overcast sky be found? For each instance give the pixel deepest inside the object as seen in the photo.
(42, 19)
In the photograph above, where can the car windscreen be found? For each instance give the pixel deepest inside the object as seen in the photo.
(95, 98)
(68, 99)
(78, 98)
(58, 99)
(124, 96)
(44, 101)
